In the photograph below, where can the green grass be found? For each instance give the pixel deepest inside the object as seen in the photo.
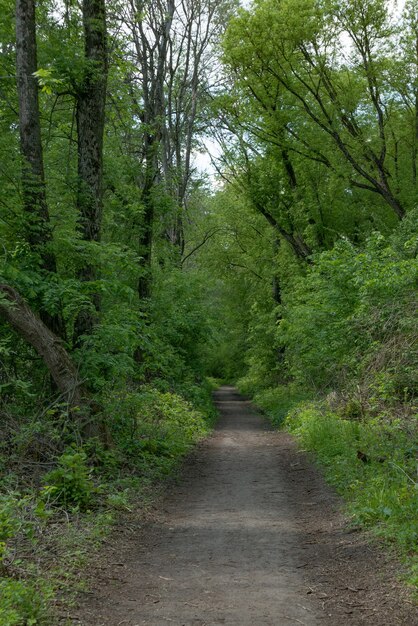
(382, 490)
(278, 401)
(381, 493)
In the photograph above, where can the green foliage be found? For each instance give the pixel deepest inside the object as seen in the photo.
(46, 80)
(70, 484)
(21, 516)
(353, 315)
(9, 521)
(372, 464)
(277, 402)
(178, 328)
(23, 604)
(240, 302)
(154, 429)
(23, 601)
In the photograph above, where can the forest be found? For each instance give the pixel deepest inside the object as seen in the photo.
(195, 192)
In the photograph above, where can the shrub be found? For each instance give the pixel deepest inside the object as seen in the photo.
(70, 484)
(354, 317)
(9, 521)
(154, 428)
(23, 603)
(276, 402)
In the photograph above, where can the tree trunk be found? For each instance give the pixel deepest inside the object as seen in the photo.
(22, 319)
(298, 245)
(38, 230)
(146, 233)
(33, 182)
(90, 116)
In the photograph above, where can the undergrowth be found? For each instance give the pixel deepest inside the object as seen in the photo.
(371, 461)
(276, 402)
(52, 521)
(373, 465)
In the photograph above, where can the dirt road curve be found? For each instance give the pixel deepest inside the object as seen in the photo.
(250, 536)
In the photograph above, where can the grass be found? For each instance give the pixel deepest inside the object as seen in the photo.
(276, 402)
(370, 460)
(372, 464)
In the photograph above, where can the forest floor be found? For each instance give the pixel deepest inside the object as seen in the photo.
(249, 534)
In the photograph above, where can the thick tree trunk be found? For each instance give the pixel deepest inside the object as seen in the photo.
(33, 182)
(90, 115)
(37, 226)
(22, 319)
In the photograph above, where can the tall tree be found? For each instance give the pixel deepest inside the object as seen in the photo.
(151, 25)
(90, 116)
(33, 179)
(37, 223)
(169, 78)
(305, 81)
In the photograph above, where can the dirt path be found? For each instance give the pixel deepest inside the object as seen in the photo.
(249, 536)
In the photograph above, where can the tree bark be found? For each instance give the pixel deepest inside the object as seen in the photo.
(33, 180)
(37, 225)
(48, 345)
(90, 116)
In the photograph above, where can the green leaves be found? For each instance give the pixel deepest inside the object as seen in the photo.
(338, 317)
(47, 81)
(70, 484)
(23, 602)
(381, 494)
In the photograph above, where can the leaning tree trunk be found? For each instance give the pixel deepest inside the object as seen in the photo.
(50, 348)
(37, 226)
(90, 115)
(48, 345)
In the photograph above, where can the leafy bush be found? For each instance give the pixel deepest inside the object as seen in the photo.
(70, 484)
(21, 516)
(153, 429)
(9, 521)
(276, 402)
(354, 316)
(23, 603)
(170, 415)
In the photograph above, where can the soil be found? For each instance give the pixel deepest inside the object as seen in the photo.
(250, 534)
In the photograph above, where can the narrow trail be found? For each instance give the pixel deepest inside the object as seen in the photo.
(249, 536)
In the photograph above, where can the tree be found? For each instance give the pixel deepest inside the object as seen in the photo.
(37, 223)
(22, 319)
(90, 115)
(169, 77)
(300, 79)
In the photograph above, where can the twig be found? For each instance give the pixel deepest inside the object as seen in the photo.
(294, 619)
(403, 471)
